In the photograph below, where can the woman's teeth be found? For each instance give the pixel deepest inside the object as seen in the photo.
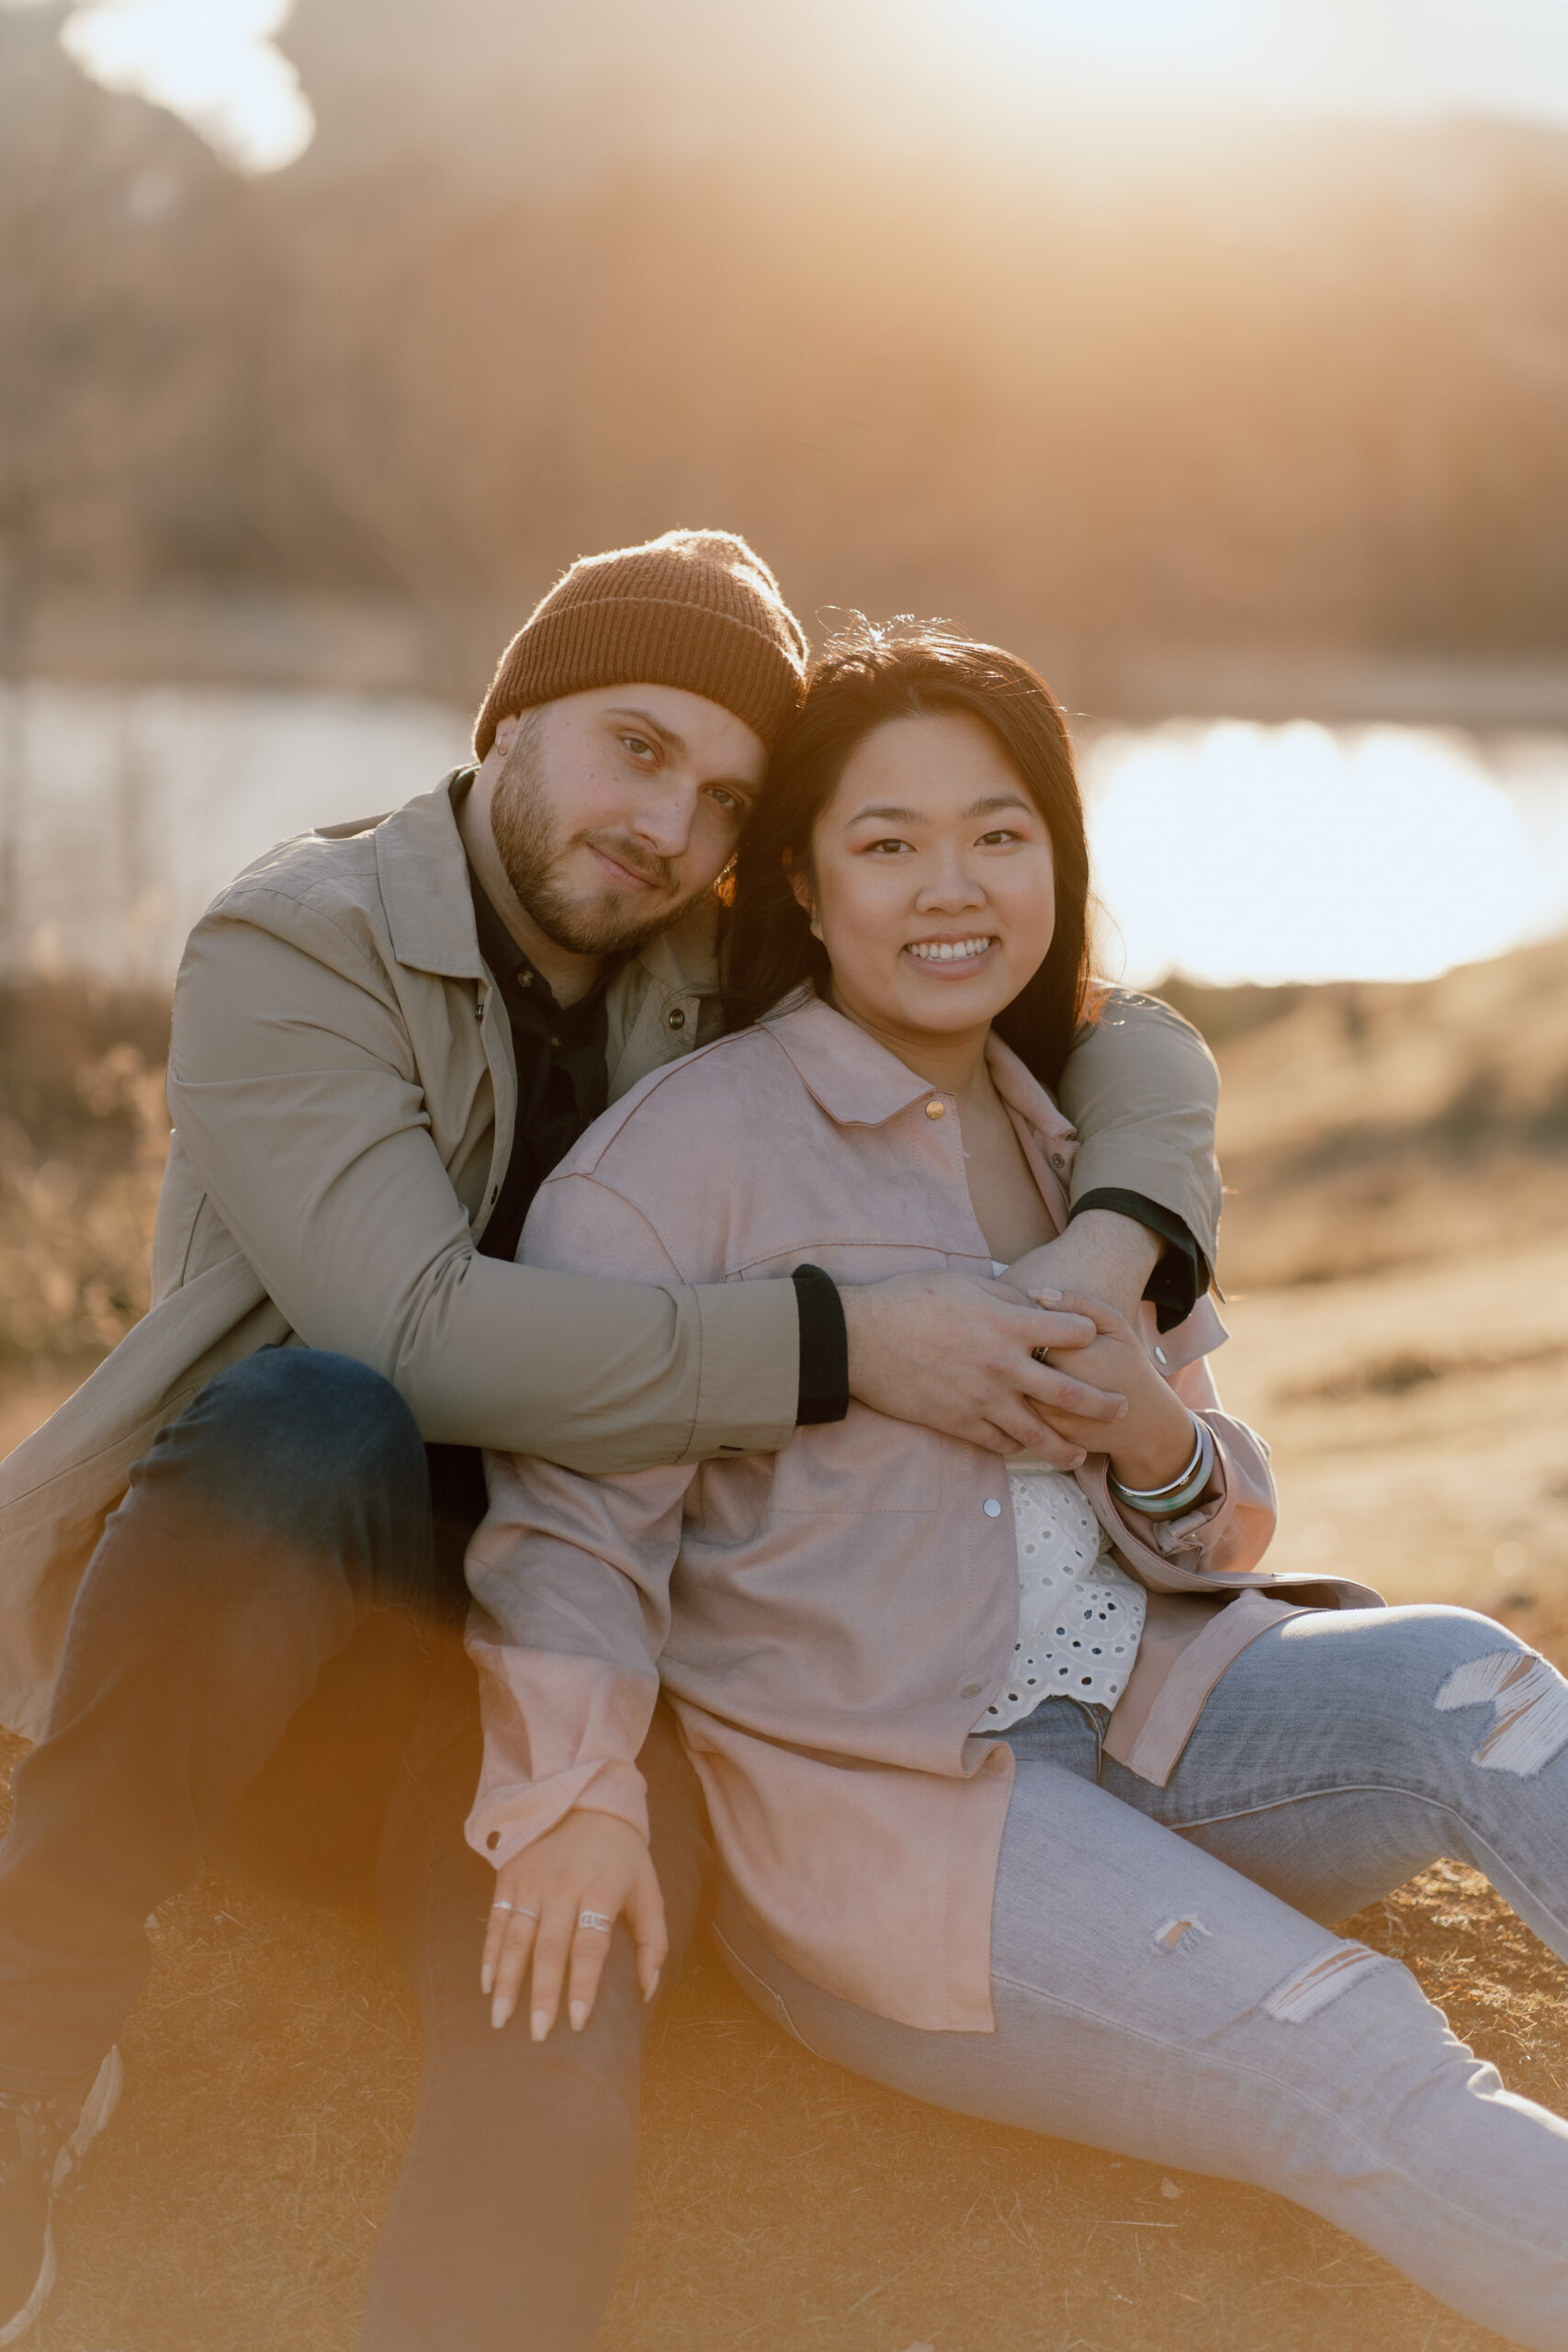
(949, 951)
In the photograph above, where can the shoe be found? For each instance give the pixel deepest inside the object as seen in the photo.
(39, 2146)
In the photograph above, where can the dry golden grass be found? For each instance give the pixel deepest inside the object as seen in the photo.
(1414, 1384)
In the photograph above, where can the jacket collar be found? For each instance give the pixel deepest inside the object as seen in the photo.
(430, 911)
(860, 1084)
(424, 887)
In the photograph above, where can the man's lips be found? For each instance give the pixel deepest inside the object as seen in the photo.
(626, 877)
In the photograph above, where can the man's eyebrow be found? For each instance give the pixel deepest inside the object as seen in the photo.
(665, 735)
(677, 744)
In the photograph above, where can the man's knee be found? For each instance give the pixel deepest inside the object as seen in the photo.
(295, 1440)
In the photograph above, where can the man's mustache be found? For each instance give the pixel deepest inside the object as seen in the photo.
(657, 870)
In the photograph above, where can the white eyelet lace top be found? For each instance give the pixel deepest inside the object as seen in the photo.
(1079, 1616)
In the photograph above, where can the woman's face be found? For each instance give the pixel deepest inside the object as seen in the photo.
(934, 889)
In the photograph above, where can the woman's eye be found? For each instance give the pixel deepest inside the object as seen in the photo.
(725, 800)
(998, 838)
(887, 848)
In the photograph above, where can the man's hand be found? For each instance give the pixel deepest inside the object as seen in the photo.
(589, 1861)
(1104, 1255)
(953, 1353)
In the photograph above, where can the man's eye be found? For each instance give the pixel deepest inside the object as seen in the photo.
(638, 746)
(727, 801)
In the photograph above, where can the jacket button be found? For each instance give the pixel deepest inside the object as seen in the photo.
(991, 1508)
(1057, 1160)
(936, 1110)
(676, 1018)
(971, 1690)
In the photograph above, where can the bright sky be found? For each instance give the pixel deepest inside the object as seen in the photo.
(210, 61)
(213, 62)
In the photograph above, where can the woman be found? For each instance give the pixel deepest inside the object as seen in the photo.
(1033, 1795)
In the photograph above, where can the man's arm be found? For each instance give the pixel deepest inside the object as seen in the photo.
(1141, 1088)
(293, 1082)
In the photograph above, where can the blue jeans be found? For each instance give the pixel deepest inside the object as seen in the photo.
(266, 1664)
(1167, 1987)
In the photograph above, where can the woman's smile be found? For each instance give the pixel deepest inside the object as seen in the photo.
(953, 958)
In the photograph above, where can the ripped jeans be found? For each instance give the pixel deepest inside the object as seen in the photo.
(1166, 1986)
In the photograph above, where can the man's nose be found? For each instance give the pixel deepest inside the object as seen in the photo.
(664, 819)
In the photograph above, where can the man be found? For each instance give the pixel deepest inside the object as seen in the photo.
(384, 1038)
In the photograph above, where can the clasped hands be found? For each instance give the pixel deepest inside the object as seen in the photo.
(1045, 1361)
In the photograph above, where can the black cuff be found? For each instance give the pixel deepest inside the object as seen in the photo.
(1181, 1277)
(824, 1348)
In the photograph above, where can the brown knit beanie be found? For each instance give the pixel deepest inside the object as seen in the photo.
(696, 609)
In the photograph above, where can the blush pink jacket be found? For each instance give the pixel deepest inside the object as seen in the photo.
(829, 1621)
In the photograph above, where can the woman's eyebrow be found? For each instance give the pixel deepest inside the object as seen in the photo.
(916, 815)
(999, 800)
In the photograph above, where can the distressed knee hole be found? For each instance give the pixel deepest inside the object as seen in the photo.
(1312, 1988)
(1176, 1932)
(1530, 1708)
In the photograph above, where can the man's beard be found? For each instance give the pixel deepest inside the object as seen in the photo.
(532, 848)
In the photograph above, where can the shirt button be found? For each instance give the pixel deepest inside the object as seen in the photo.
(1160, 1355)
(676, 1018)
(971, 1690)
(525, 979)
(555, 1038)
(991, 1508)
(1057, 1160)
(936, 1110)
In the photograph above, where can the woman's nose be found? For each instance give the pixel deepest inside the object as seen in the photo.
(954, 887)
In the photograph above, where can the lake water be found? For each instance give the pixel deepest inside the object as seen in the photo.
(1225, 850)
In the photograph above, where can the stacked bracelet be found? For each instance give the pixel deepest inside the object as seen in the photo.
(1179, 1494)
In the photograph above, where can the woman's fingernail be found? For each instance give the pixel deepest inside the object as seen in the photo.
(487, 1979)
(653, 1987)
(1051, 1295)
(1078, 1462)
(578, 2015)
(1122, 1410)
(498, 2014)
(539, 2025)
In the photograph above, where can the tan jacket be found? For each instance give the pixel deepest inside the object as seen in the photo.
(829, 1621)
(342, 1086)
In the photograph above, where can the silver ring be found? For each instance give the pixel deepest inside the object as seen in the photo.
(521, 1908)
(596, 1919)
(503, 1906)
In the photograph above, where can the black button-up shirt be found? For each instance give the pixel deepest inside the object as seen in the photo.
(562, 1085)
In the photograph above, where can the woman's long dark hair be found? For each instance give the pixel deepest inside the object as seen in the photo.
(866, 677)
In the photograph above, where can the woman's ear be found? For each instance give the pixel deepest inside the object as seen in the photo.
(800, 883)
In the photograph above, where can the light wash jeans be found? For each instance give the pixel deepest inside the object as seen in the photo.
(1166, 1987)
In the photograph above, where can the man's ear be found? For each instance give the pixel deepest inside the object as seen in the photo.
(506, 732)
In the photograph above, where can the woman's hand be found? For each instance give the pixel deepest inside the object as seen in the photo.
(1153, 1440)
(589, 1861)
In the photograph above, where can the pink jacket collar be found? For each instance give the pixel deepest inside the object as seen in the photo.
(861, 1084)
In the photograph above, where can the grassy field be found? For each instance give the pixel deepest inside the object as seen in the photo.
(1396, 1262)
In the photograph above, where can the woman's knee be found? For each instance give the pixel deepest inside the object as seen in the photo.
(1468, 1682)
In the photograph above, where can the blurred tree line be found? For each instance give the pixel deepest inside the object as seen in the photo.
(1314, 391)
